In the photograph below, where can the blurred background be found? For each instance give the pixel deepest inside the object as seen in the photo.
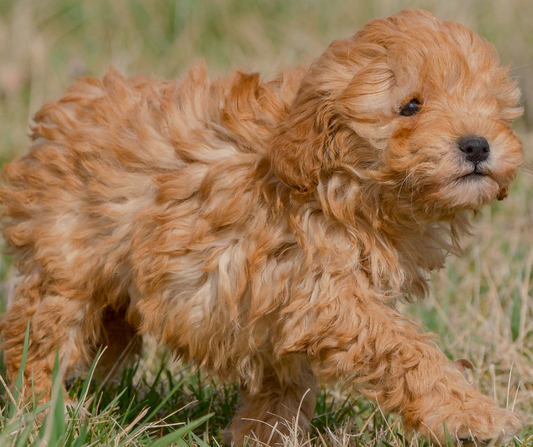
(45, 44)
(480, 305)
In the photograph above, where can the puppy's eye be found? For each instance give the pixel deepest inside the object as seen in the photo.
(411, 108)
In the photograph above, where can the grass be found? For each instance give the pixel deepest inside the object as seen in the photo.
(480, 306)
(156, 408)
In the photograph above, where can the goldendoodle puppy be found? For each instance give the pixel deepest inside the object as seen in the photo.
(265, 230)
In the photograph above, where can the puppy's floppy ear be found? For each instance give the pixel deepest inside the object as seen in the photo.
(303, 143)
(297, 149)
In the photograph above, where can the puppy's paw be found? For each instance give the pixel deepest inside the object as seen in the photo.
(498, 429)
(487, 425)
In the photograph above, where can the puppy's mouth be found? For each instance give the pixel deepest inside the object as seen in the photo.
(474, 174)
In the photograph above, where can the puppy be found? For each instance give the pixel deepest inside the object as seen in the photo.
(264, 230)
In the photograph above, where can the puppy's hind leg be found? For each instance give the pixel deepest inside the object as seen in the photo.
(71, 323)
(57, 319)
(287, 396)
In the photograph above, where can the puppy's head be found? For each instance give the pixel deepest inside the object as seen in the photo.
(417, 107)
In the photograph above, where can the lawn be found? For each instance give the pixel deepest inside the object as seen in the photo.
(480, 306)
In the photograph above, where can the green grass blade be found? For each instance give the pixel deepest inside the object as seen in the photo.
(57, 411)
(80, 440)
(54, 425)
(13, 427)
(22, 438)
(114, 402)
(87, 381)
(450, 442)
(200, 442)
(177, 436)
(155, 410)
(20, 376)
(164, 401)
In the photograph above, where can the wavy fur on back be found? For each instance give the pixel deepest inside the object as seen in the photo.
(264, 230)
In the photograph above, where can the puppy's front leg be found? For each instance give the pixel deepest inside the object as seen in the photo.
(287, 395)
(380, 352)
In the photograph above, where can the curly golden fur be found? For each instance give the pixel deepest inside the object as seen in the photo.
(264, 230)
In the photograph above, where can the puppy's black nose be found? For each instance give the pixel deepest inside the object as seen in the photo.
(475, 149)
